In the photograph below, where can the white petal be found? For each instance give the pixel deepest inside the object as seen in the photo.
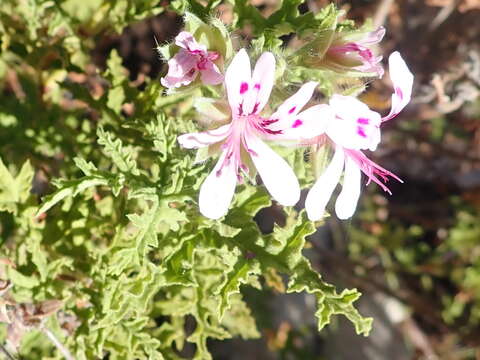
(276, 174)
(261, 85)
(237, 79)
(308, 124)
(217, 190)
(348, 107)
(402, 80)
(292, 106)
(202, 139)
(348, 198)
(355, 125)
(373, 37)
(320, 193)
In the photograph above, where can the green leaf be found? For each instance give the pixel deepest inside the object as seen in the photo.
(116, 98)
(121, 156)
(147, 223)
(238, 275)
(328, 301)
(69, 188)
(21, 280)
(239, 320)
(14, 190)
(115, 70)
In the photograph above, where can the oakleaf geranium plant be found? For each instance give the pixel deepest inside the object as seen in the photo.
(145, 247)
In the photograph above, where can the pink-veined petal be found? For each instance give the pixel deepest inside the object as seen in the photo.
(186, 41)
(292, 106)
(348, 198)
(347, 107)
(402, 80)
(211, 75)
(355, 126)
(217, 190)
(276, 174)
(308, 124)
(261, 84)
(373, 37)
(202, 139)
(374, 65)
(182, 70)
(321, 191)
(237, 80)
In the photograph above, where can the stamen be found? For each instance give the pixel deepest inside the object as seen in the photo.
(371, 169)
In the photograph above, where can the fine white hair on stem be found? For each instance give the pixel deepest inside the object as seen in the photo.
(57, 343)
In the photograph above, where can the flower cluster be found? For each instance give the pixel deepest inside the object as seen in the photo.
(346, 124)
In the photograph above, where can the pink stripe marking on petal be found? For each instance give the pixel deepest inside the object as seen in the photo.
(399, 93)
(292, 110)
(363, 121)
(267, 122)
(361, 132)
(240, 109)
(297, 123)
(257, 86)
(243, 88)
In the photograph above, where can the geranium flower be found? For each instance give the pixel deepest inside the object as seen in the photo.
(240, 141)
(192, 59)
(349, 53)
(350, 126)
(346, 53)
